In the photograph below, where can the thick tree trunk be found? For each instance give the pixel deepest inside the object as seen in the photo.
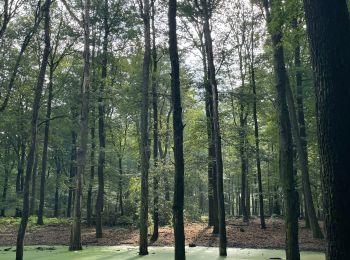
(34, 121)
(101, 126)
(328, 27)
(143, 243)
(45, 149)
(178, 204)
(155, 129)
(75, 237)
(216, 133)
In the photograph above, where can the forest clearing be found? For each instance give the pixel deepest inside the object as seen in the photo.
(198, 129)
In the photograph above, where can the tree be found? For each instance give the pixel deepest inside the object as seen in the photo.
(178, 203)
(34, 121)
(285, 136)
(216, 133)
(75, 237)
(155, 128)
(101, 123)
(328, 28)
(144, 143)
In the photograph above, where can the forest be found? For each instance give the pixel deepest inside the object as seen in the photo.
(174, 129)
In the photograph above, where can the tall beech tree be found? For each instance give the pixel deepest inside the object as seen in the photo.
(155, 126)
(144, 143)
(101, 122)
(328, 28)
(274, 24)
(178, 205)
(33, 133)
(75, 236)
(217, 135)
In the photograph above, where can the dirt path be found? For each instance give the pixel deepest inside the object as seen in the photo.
(239, 235)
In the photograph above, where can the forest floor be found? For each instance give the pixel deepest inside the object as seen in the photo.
(239, 235)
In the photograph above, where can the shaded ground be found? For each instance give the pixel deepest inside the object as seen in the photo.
(155, 253)
(239, 235)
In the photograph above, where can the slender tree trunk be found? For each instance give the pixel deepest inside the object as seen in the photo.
(45, 149)
(33, 193)
(101, 127)
(143, 243)
(302, 155)
(256, 132)
(155, 128)
(34, 121)
(121, 205)
(21, 161)
(286, 142)
(75, 237)
(257, 148)
(212, 191)
(328, 27)
(37, 20)
(92, 168)
(6, 181)
(179, 189)
(217, 135)
(73, 167)
(57, 189)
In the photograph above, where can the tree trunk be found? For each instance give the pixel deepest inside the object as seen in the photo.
(45, 148)
(57, 189)
(155, 129)
(216, 133)
(92, 167)
(329, 33)
(302, 152)
(285, 135)
(101, 126)
(143, 243)
(73, 167)
(34, 121)
(75, 237)
(20, 169)
(7, 171)
(121, 205)
(33, 193)
(256, 134)
(178, 203)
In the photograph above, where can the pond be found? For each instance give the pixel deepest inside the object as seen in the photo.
(155, 253)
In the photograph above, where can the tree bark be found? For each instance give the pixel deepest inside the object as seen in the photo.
(45, 148)
(329, 34)
(216, 133)
(257, 139)
(33, 191)
(145, 153)
(101, 125)
(34, 121)
(73, 166)
(57, 189)
(75, 237)
(285, 135)
(179, 189)
(155, 128)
